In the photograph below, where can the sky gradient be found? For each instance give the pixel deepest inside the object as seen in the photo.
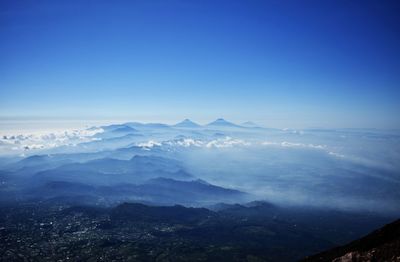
(278, 63)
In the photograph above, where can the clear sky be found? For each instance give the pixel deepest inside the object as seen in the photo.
(278, 63)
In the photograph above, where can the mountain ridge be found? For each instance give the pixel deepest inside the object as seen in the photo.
(220, 122)
(186, 123)
(382, 244)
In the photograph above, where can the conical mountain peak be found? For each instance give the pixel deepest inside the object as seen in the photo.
(187, 123)
(222, 122)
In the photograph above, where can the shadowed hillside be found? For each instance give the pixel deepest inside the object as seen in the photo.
(381, 245)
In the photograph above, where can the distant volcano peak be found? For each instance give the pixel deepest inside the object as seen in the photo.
(187, 123)
(222, 122)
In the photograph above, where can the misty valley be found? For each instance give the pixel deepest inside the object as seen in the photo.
(199, 131)
(189, 192)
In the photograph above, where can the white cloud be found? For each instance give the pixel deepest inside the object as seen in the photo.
(336, 154)
(190, 142)
(37, 141)
(295, 145)
(149, 144)
(227, 142)
(289, 144)
(187, 142)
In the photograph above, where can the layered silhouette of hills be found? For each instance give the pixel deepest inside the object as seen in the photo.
(164, 191)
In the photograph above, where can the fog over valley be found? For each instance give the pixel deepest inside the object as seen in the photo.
(202, 165)
(198, 130)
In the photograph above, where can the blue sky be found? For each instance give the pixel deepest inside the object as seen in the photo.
(279, 63)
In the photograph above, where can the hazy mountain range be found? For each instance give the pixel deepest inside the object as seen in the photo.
(215, 192)
(312, 167)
